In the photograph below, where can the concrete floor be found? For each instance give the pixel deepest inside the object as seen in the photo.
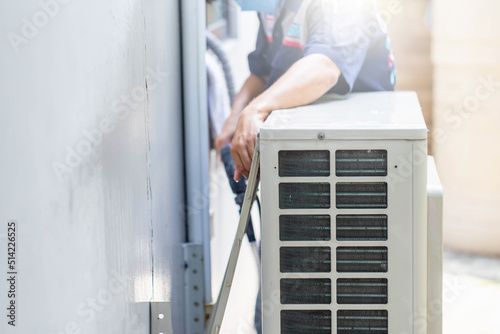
(471, 294)
(240, 309)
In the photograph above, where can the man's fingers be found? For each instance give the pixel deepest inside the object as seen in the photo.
(237, 158)
(245, 162)
(243, 143)
(237, 175)
(247, 147)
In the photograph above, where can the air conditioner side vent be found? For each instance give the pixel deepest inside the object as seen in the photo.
(361, 195)
(305, 259)
(361, 227)
(361, 259)
(362, 291)
(362, 322)
(361, 163)
(306, 321)
(305, 227)
(305, 291)
(304, 195)
(304, 163)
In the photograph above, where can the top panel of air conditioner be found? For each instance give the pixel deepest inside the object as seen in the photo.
(364, 116)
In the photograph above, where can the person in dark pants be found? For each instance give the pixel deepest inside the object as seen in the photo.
(305, 48)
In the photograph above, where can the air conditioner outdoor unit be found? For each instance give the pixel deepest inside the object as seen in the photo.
(345, 219)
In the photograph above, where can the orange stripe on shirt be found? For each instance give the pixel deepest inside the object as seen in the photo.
(293, 44)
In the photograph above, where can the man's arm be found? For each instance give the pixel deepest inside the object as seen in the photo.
(252, 88)
(304, 82)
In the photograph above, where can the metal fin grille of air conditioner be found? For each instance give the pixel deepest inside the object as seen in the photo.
(361, 163)
(361, 227)
(306, 291)
(304, 163)
(306, 322)
(361, 195)
(361, 259)
(362, 322)
(349, 227)
(305, 227)
(362, 291)
(305, 259)
(304, 195)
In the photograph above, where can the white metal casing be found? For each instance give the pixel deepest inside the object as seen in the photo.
(369, 116)
(434, 249)
(390, 121)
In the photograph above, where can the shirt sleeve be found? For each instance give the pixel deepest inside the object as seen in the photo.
(338, 30)
(258, 60)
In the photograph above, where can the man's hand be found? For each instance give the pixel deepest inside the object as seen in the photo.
(252, 88)
(243, 143)
(304, 82)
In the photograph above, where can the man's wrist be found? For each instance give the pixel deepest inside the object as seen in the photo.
(259, 110)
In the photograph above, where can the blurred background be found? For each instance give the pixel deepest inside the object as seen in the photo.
(448, 51)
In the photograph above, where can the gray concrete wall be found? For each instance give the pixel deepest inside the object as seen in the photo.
(92, 172)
